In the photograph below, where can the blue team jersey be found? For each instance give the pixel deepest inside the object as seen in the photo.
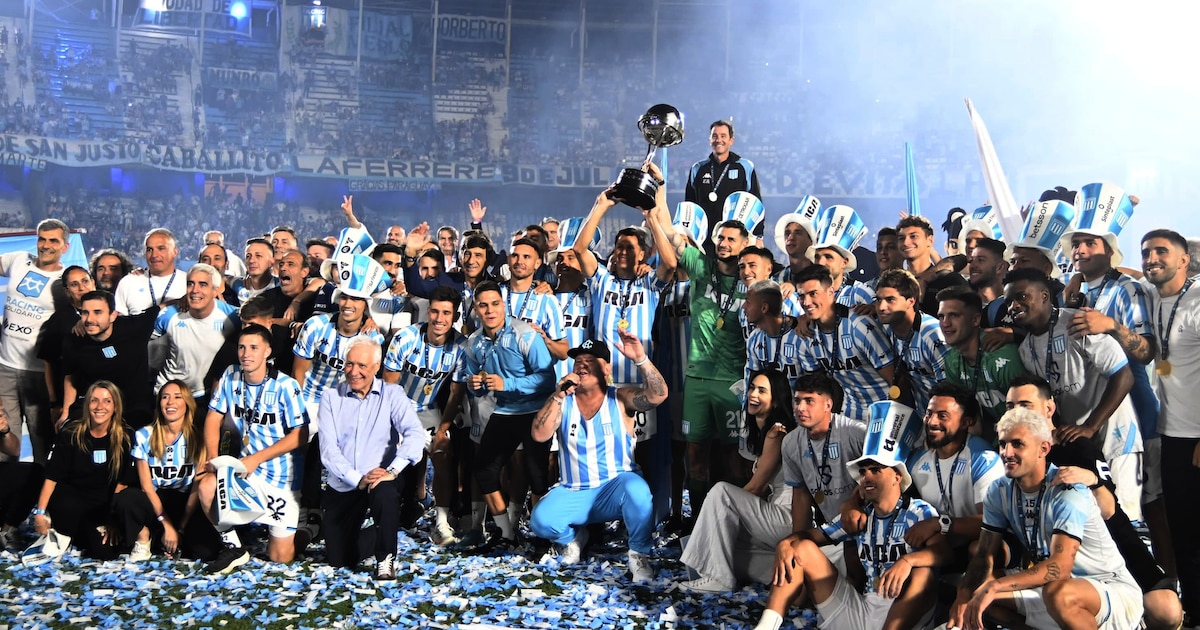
(518, 355)
(597, 449)
(881, 543)
(576, 307)
(852, 354)
(923, 354)
(264, 413)
(172, 471)
(423, 367)
(633, 301)
(320, 342)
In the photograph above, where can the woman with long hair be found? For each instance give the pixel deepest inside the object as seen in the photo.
(88, 463)
(163, 507)
(738, 528)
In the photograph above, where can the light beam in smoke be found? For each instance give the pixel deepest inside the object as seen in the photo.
(1007, 211)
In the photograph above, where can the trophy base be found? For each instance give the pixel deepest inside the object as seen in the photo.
(636, 188)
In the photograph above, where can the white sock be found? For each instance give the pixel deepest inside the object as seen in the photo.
(505, 525)
(771, 620)
(231, 539)
(478, 514)
(442, 514)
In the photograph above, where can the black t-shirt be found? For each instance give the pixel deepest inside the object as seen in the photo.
(123, 358)
(86, 471)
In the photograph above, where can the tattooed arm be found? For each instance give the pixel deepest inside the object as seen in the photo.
(1056, 567)
(652, 392)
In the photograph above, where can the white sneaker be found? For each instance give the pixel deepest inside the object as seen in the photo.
(443, 535)
(141, 551)
(639, 566)
(705, 585)
(573, 551)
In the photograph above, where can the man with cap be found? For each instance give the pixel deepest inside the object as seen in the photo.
(985, 373)
(1074, 575)
(840, 229)
(1113, 303)
(717, 354)
(794, 234)
(979, 224)
(1038, 245)
(712, 180)
(897, 592)
(1175, 309)
(599, 482)
(506, 364)
(852, 347)
(1089, 376)
(320, 362)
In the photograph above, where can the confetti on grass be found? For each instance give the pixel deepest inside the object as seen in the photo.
(435, 588)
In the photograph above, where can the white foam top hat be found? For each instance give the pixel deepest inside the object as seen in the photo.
(744, 207)
(238, 502)
(361, 277)
(568, 233)
(351, 241)
(805, 214)
(982, 220)
(1044, 227)
(839, 228)
(891, 435)
(690, 220)
(1106, 208)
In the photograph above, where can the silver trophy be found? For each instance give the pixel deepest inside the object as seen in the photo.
(661, 126)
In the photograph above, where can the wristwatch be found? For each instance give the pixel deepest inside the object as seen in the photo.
(945, 522)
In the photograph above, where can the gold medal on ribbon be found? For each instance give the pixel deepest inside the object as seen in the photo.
(429, 390)
(1163, 367)
(623, 325)
(875, 584)
(720, 322)
(819, 497)
(894, 392)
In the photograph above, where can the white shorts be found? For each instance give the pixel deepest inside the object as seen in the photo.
(848, 608)
(283, 507)
(1126, 473)
(1152, 470)
(430, 419)
(1120, 606)
(645, 423)
(312, 408)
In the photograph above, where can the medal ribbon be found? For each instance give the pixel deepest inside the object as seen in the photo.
(712, 171)
(1164, 334)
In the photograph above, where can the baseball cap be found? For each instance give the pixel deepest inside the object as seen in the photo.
(594, 347)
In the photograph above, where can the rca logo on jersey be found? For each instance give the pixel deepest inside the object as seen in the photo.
(577, 321)
(254, 417)
(173, 472)
(613, 298)
(33, 284)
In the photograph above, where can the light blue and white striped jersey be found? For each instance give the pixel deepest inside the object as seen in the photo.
(320, 342)
(1125, 300)
(853, 355)
(423, 367)
(519, 356)
(576, 307)
(1067, 509)
(965, 478)
(392, 312)
(849, 295)
(535, 308)
(192, 343)
(632, 300)
(264, 414)
(764, 351)
(792, 357)
(675, 333)
(245, 293)
(881, 543)
(594, 450)
(172, 471)
(924, 355)
(747, 328)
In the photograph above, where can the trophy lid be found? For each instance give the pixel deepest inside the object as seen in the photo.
(662, 125)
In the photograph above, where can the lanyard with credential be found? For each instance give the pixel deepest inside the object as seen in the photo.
(166, 289)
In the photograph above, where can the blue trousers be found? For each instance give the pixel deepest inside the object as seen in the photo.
(625, 497)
